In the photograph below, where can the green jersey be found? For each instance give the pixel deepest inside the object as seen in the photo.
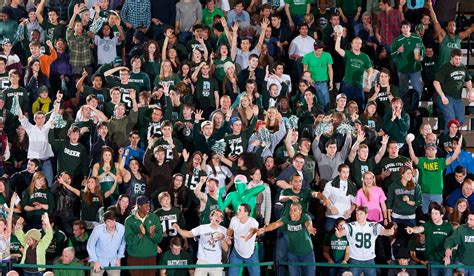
(406, 62)
(211, 204)
(169, 151)
(168, 218)
(236, 144)
(463, 238)
(299, 240)
(191, 179)
(337, 246)
(42, 196)
(431, 175)
(318, 66)
(393, 165)
(446, 46)
(23, 100)
(298, 7)
(184, 258)
(171, 80)
(349, 6)
(124, 90)
(355, 67)
(435, 236)
(53, 32)
(452, 79)
(383, 103)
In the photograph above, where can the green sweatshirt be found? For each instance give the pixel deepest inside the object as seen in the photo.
(396, 192)
(71, 158)
(398, 128)
(40, 247)
(463, 237)
(406, 62)
(43, 196)
(146, 246)
(120, 128)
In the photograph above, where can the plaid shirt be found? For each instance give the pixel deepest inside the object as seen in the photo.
(79, 49)
(137, 13)
(388, 25)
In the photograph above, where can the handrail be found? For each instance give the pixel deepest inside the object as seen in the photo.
(355, 265)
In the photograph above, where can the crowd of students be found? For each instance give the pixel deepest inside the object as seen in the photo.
(146, 132)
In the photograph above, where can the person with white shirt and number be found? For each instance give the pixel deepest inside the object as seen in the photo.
(244, 250)
(361, 235)
(212, 240)
(106, 245)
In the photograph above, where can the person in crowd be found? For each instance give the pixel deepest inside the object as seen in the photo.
(68, 258)
(175, 256)
(143, 233)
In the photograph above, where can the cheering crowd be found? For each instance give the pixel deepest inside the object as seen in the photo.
(146, 132)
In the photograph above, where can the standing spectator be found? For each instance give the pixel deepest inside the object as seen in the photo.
(78, 41)
(37, 200)
(168, 215)
(53, 29)
(34, 246)
(436, 231)
(335, 249)
(143, 233)
(239, 15)
(449, 83)
(388, 23)
(244, 248)
(188, 14)
(121, 124)
(106, 245)
(462, 240)
(299, 227)
(341, 193)
(431, 173)
(163, 13)
(79, 239)
(137, 16)
(319, 64)
(361, 235)
(408, 50)
(356, 63)
(397, 122)
(448, 39)
(39, 147)
(19, 181)
(350, 11)
(212, 240)
(373, 198)
(209, 12)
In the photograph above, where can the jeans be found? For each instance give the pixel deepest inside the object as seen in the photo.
(426, 199)
(47, 169)
(322, 92)
(329, 224)
(235, 258)
(440, 271)
(296, 270)
(354, 93)
(410, 102)
(357, 271)
(39, 273)
(183, 37)
(453, 110)
(402, 223)
(465, 271)
(281, 252)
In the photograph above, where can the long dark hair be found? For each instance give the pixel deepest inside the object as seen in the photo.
(156, 55)
(100, 33)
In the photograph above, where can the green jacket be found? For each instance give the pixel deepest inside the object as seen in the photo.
(68, 272)
(146, 246)
(120, 128)
(40, 248)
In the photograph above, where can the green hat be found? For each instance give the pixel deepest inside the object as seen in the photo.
(117, 61)
(2, 96)
(419, 27)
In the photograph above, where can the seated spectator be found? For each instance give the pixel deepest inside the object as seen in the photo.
(68, 259)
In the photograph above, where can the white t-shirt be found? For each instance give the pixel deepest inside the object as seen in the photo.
(338, 198)
(106, 49)
(210, 249)
(222, 173)
(362, 239)
(244, 248)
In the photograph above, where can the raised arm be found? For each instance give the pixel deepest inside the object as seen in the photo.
(265, 23)
(338, 49)
(440, 33)
(355, 147)
(39, 11)
(456, 153)
(413, 156)
(80, 82)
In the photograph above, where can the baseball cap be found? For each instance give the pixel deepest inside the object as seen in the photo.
(431, 145)
(205, 123)
(342, 95)
(233, 120)
(318, 45)
(142, 200)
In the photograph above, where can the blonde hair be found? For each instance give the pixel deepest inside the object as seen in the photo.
(365, 189)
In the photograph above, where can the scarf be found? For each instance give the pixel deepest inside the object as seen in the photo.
(41, 105)
(351, 187)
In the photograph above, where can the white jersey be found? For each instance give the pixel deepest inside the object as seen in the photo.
(210, 249)
(362, 239)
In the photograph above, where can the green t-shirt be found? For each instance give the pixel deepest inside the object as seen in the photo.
(297, 7)
(89, 212)
(208, 16)
(446, 46)
(393, 165)
(452, 79)
(102, 95)
(211, 204)
(417, 247)
(349, 7)
(219, 72)
(191, 179)
(304, 197)
(318, 66)
(299, 240)
(406, 62)
(435, 235)
(184, 258)
(355, 67)
(337, 246)
(53, 32)
(124, 90)
(152, 68)
(168, 218)
(431, 175)
(463, 238)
